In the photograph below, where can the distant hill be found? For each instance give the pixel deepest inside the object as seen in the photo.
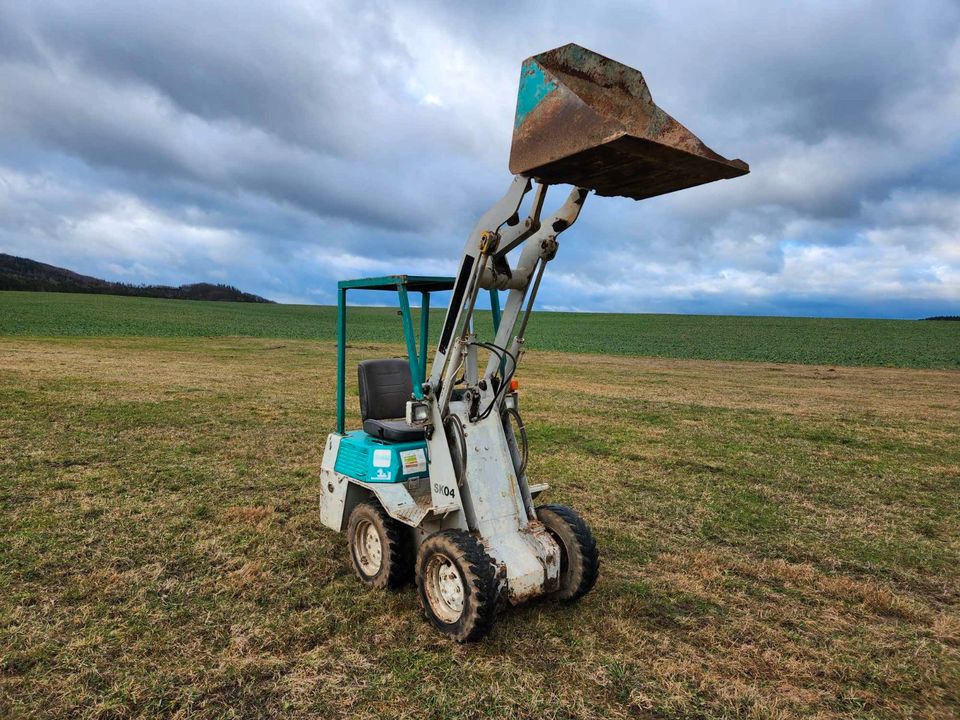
(18, 273)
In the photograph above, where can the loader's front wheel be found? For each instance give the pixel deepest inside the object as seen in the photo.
(457, 585)
(378, 547)
(579, 558)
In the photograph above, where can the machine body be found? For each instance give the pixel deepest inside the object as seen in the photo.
(435, 485)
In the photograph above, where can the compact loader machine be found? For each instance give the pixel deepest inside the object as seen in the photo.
(435, 484)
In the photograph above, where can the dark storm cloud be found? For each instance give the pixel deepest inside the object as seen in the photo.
(235, 62)
(280, 147)
(310, 111)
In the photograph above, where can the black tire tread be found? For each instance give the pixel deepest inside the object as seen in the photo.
(479, 573)
(587, 547)
(396, 554)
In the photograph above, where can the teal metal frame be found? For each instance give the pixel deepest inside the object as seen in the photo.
(403, 285)
(495, 309)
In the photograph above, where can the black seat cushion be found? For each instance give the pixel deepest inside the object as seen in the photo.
(392, 430)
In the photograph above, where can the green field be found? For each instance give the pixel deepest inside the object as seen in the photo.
(777, 541)
(895, 343)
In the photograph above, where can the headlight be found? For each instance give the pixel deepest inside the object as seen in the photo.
(418, 412)
(510, 401)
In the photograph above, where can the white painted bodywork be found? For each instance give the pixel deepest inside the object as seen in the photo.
(494, 508)
(333, 487)
(493, 500)
(489, 503)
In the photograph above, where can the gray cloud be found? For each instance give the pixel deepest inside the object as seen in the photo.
(280, 147)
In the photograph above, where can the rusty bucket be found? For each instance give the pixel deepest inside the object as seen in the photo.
(586, 120)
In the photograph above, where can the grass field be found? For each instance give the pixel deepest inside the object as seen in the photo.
(777, 541)
(894, 343)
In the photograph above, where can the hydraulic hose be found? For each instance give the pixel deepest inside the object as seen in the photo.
(524, 443)
(453, 425)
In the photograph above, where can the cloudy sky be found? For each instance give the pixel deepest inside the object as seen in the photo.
(284, 145)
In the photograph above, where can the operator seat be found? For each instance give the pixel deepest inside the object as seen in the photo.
(385, 387)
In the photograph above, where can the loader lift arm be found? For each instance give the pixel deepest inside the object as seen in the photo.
(484, 266)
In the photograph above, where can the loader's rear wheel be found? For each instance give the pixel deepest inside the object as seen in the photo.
(457, 585)
(579, 558)
(378, 547)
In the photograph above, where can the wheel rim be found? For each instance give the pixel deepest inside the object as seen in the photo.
(444, 588)
(367, 548)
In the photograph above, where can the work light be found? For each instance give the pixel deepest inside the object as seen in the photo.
(418, 412)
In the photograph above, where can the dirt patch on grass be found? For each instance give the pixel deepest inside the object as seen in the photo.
(259, 515)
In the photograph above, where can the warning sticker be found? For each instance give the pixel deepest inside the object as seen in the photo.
(413, 461)
(381, 458)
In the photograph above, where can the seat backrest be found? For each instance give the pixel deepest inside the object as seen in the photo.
(385, 387)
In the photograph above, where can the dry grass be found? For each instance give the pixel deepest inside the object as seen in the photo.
(778, 541)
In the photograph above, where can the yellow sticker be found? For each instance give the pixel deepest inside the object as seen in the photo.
(413, 461)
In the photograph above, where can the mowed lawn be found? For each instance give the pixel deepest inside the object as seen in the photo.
(777, 541)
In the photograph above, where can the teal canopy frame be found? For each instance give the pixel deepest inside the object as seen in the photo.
(403, 285)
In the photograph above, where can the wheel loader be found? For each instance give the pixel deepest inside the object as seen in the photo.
(434, 485)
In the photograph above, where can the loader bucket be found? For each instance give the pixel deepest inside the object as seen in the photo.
(585, 120)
